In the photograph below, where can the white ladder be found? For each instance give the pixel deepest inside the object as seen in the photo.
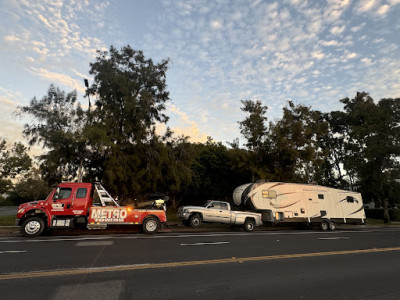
(105, 197)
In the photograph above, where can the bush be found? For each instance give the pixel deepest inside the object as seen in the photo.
(377, 213)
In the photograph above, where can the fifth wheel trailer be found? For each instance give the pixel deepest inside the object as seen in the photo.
(301, 203)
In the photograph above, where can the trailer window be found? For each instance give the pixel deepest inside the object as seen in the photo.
(320, 196)
(269, 194)
(81, 193)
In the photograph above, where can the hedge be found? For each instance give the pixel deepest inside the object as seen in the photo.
(377, 213)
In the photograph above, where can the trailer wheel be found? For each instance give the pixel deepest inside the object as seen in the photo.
(332, 226)
(249, 225)
(150, 225)
(32, 227)
(195, 221)
(324, 226)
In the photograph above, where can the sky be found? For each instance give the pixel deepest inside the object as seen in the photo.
(221, 52)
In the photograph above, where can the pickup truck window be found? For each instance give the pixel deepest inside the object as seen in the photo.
(206, 204)
(224, 206)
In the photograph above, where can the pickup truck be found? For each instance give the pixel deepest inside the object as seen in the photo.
(218, 212)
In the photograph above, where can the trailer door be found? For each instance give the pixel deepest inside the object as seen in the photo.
(316, 204)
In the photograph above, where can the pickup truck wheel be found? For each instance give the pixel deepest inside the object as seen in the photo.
(195, 221)
(150, 225)
(249, 225)
(32, 227)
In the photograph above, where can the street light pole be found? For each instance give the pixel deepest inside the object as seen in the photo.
(87, 92)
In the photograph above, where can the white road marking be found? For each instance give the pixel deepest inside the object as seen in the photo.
(177, 235)
(94, 243)
(202, 244)
(12, 251)
(335, 238)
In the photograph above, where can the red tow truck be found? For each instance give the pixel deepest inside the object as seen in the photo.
(72, 205)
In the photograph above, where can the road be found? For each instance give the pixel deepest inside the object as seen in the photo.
(347, 264)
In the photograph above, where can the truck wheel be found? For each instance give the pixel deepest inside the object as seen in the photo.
(150, 225)
(332, 226)
(32, 227)
(324, 226)
(249, 225)
(195, 221)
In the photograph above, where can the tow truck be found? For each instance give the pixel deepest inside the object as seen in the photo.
(73, 205)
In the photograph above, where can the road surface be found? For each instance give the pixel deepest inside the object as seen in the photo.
(347, 264)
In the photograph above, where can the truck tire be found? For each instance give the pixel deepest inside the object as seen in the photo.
(32, 227)
(324, 226)
(332, 226)
(249, 225)
(150, 225)
(195, 221)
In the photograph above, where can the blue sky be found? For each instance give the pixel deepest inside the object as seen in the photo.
(311, 52)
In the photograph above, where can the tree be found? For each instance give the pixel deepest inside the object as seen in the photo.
(253, 127)
(374, 139)
(297, 144)
(30, 188)
(58, 124)
(14, 163)
(131, 93)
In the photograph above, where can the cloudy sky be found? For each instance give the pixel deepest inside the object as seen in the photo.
(311, 52)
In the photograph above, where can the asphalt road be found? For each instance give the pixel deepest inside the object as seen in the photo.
(353, 264)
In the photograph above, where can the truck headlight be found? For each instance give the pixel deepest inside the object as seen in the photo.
(20, 211)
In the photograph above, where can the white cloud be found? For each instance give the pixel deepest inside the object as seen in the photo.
(367, 5)
(216, 24)
(330, 43)
(11, 38)
(185, 126)
(383, 9)
(337, 30)
(58, 77)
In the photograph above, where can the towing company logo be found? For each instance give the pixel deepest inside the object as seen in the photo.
(100, 214)
(57, 207)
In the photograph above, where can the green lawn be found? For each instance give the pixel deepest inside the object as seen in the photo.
(7, 220)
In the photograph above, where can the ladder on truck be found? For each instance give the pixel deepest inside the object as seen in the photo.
(105, 197)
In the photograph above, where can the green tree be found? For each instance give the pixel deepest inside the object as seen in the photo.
(374, 139)
(14, 163)
(298, 152)
(58, 124)
(253, 127)
(131, 96)
(30, 188)
(257, 134)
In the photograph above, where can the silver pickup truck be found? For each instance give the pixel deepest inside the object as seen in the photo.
(218, 212)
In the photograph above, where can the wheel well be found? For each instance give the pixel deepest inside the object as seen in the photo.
(34, 213)
(151, 216)
(250, 218)
(196, 213)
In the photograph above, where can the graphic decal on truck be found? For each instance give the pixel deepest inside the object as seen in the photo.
(108, 214)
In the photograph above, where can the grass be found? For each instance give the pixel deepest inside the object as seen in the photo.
(7, 220)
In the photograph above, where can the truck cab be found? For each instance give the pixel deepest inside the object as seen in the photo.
(66, 206)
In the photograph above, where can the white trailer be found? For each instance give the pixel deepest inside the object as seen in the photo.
(301, 203)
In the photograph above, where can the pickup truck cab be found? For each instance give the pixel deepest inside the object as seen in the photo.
(218, 212)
